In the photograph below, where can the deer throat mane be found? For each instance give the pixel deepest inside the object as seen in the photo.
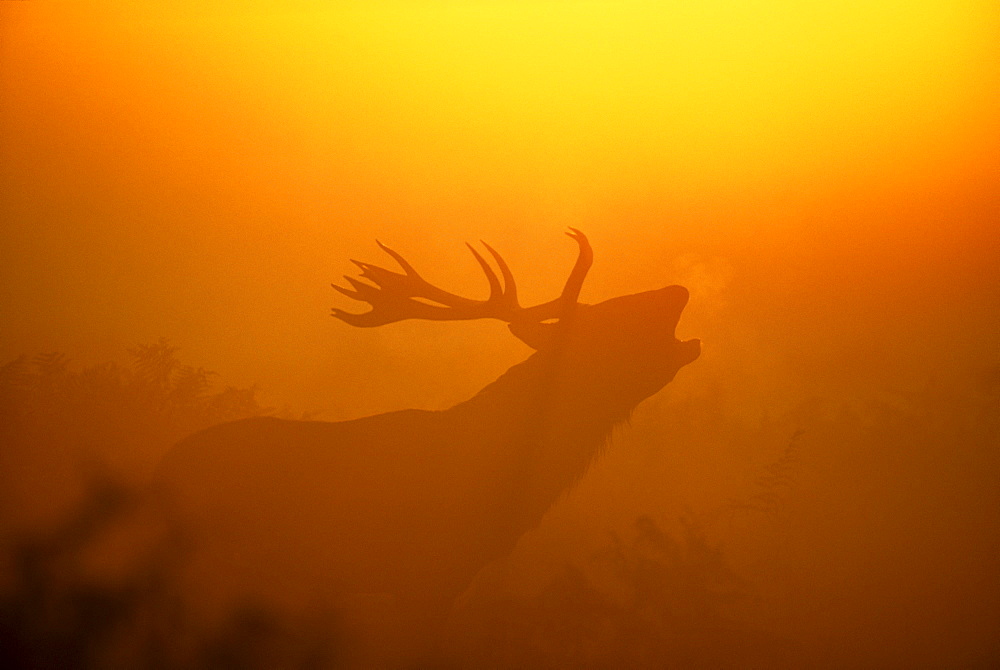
(546, 383)
(539, 412)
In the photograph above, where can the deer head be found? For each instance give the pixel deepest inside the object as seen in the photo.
(625, 345)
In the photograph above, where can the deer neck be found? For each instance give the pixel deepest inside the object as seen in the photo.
(544, 425)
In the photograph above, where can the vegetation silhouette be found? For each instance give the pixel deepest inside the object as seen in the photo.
(404, 508)
(752, 587)
(650, 599)
(69, 601)
(55, 419)
(645, 601)
(91, 559)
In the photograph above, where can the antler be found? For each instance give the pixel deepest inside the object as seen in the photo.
(398, 296)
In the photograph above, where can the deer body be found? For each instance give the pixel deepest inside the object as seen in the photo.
(414, 503)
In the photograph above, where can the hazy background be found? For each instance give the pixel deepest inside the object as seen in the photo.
(824, 177)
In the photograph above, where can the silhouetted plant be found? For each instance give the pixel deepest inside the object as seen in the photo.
(62, 603)
(61, 609)
(774, 486)
(125, 417)
(653, 600)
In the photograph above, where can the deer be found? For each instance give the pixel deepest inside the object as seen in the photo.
(410, 505)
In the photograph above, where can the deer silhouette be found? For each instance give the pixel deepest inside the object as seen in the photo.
(412, 504)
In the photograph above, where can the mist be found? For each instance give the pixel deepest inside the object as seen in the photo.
(823, 181)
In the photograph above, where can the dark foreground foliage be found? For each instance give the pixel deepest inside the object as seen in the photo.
(100, 590)
(89, 574)
(91, 566)
(124, 417)
(652, 599)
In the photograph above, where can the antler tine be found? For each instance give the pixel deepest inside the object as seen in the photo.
(411, 284)
(491, 276)
(510, 286)
(403, 263)
(395, 296)
(571, 291)
(366, 320)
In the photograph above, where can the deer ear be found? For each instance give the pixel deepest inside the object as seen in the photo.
(535, 334)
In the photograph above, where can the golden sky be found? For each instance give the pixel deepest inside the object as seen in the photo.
(202, 173)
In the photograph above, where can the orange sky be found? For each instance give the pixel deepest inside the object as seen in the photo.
(823, 178)
(202, 174)
(159, 162)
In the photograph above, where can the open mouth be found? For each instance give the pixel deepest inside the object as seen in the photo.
(675, 298)
(692, 348)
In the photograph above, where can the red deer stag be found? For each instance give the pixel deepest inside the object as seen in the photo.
(412, 504)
